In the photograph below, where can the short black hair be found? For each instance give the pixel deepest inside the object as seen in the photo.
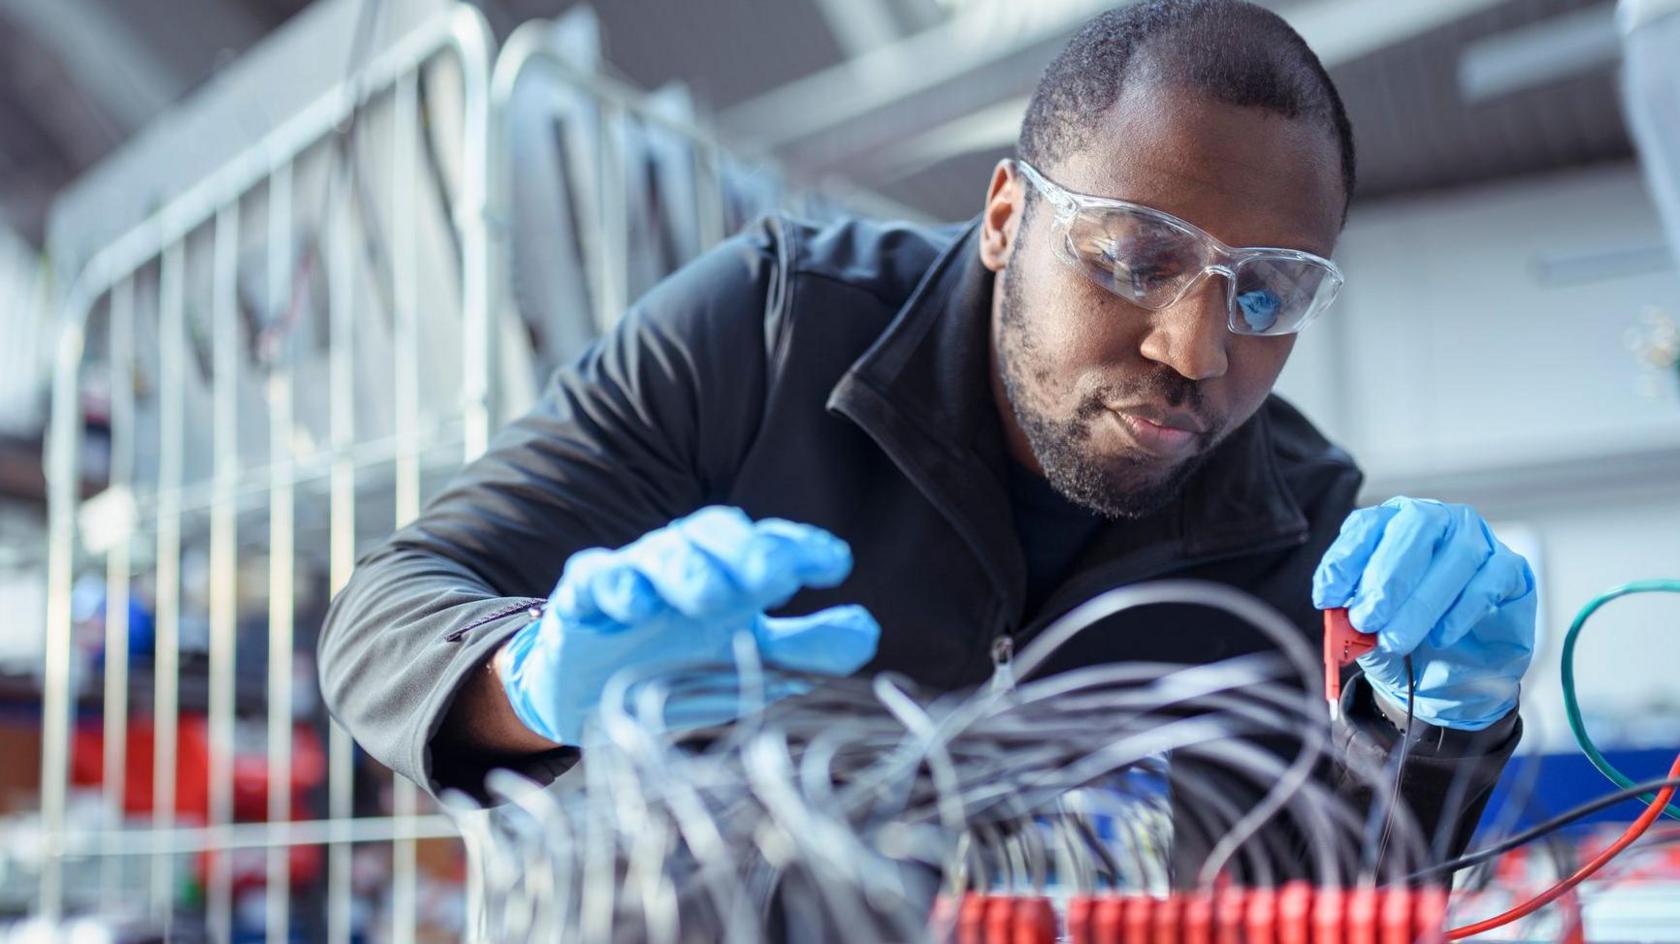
(1230, 50)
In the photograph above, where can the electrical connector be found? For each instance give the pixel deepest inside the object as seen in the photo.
(1342, 645)
(1108, 920)
(971, 919)
(1297, 912)
(1260, 917)
(1138, 924)
(1229, 907)
(1394, 917)
(1294, 913)
(1198, 918)
(1329, 916)
(1429, 915)
(1081, 916)
(1000, 918)
(1363, 905)
(1035, 922)
(1166, 925)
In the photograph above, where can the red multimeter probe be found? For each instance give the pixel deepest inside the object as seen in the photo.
(1342, 645)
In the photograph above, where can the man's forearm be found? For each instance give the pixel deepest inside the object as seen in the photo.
(481, 719)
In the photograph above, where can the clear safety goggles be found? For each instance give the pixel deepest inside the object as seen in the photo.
(1152, 259)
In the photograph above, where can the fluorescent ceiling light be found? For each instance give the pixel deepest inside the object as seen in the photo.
(1540, 54)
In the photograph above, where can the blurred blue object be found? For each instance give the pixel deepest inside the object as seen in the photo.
(1568, 780)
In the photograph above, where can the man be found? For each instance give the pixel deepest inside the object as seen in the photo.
(929, 443)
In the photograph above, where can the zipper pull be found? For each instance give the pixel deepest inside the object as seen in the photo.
(1003, 655)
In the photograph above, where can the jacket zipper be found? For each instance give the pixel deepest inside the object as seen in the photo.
(1003, 656)
(532, 605)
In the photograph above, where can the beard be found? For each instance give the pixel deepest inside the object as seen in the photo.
(1122, 485)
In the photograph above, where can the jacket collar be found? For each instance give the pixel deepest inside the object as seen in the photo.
(923, 392)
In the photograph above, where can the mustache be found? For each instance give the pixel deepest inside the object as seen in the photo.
(1165, 386)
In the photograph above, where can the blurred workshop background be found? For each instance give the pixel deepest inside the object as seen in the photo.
(271, 269)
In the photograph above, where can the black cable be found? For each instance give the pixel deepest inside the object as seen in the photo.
(1549, 826)
(1374, 850)
(1481, 875)
(1404, 753)
(1519, 799)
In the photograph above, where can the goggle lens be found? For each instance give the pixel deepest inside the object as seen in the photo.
(1148, 260)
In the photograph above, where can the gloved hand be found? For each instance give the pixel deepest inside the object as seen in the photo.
(676, 596)
(1431, 580)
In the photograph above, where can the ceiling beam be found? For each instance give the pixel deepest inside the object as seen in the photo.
(995, 126)
(128, 80)
(948, 90)
(859, 25)
(1341, 31)
(980, 38)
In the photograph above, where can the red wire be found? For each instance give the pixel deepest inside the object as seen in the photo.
(1634, 831)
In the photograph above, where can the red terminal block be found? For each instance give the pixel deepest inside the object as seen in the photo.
(1108, 918)
(1198, 918)
(1035, 921)
(942, 920)
(1294, 913)
(1230, 910)
(1081, 919)
(1000, 919)
(1166, 921)
(1260, 917)
(971, 918)
(1137, 919)
(1362, 908)
(1329, 917)
(1429, 915)
(1342, 645)
(1394, 917)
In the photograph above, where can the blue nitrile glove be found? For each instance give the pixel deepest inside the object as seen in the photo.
(1431, 580)
(677, 596)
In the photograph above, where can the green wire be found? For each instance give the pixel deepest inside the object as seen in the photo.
(1573, 707)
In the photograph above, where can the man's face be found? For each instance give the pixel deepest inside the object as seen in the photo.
(1116, 404)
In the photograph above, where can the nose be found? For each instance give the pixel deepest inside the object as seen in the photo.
(1191, 335)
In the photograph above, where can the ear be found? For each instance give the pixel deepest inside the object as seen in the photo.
(999, 224)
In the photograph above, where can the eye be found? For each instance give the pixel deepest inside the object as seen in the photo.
(1142, 270)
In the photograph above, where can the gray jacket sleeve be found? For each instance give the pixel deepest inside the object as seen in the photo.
(646, 426)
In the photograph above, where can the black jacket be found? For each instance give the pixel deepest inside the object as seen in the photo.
(837, 376)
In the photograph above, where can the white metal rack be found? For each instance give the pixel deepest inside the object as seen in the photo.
(298, 348)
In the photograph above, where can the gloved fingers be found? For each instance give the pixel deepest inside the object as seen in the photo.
(1338, 572)
(764, 566)
(591, 576)
(1458, 557)
(686, 578)
(769, 560)
(819, 558)
(627, 597)
(836, 641)
(1504, 578)
(1385, 674)
(1469, 689)
(1396, 568)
